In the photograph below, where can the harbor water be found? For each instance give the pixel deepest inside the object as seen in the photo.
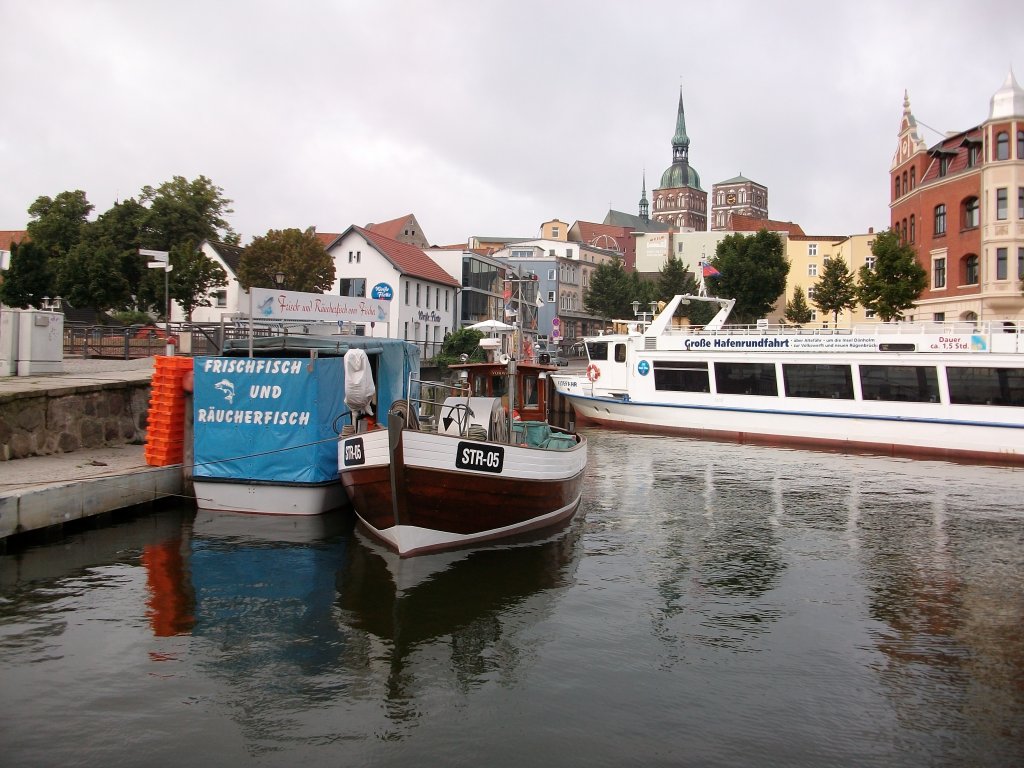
(712, 604)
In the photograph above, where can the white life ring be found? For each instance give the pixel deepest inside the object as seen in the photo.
(593, 373)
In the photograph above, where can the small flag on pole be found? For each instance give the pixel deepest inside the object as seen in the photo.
(708, 270)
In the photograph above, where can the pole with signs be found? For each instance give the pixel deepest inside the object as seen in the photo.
(161, 260)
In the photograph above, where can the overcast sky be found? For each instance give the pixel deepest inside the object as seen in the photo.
(484, 118)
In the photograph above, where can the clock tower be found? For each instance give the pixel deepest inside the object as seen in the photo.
(737, 195)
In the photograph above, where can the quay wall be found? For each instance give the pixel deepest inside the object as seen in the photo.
(63, 420)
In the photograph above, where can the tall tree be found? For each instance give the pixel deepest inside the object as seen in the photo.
(56, 224)
(610, 292)
(296, 253)
(90, 274)
(753, 271)
(193, 278)
(836, 289)
(896, 280)
(29, 278)
(180, 210)
(797, 311)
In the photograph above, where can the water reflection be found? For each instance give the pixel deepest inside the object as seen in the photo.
(450, 620)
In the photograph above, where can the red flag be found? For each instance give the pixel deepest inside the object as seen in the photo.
(709, 271)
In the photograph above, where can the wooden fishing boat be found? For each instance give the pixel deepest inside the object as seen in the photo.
(455, 466)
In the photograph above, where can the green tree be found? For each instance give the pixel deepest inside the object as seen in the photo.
(610, 292)
(836, 289)
(753, 271)
(465, 341)
(28, 278)
(675, 279)
(193, 277)
(896, 281)
(56, 224)
(797, 311)
(90, 276)
(180, 210)
(299, 255)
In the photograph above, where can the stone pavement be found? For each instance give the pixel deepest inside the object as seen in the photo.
(42, 491)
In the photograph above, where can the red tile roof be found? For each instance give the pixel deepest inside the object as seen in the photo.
(596, 234)
(326, 238)
(390, 229)
(407, 259)
(739, 222)
(8, 236)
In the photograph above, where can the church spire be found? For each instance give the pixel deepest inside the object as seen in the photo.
(644, 208)
(680, 141)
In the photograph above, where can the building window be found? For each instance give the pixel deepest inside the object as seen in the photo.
(551, 297)
(973, 155)
(939, 317)
(904, 230)
(1002, 146)
(354, 287)
(810, 293)
(407, 296)
(943, 165)
(971, 214)
(812, 270)
(351, 256)
(554, 232)
(1020, 202)
(913, 174)
(551, 274)
(940, 219)
(1001, 263)
(428, 298)
(971, 270)
(1020, 263)
(939, 273)
(812, 249)
(220, 298)
(896, 188)
(1020, 145)
(1001, 212)
(913, 229)
(417, 294)
(869, 261)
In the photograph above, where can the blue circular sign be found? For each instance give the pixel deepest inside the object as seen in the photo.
(382, 291)
(643, 367)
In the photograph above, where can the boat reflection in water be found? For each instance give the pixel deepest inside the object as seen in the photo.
(473, 603)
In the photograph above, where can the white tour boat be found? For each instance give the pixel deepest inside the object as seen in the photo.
(947, 390)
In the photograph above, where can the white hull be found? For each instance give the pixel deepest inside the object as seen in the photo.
(268, 498)
(900, 389)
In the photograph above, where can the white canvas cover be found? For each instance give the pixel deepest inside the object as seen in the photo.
(359, 390)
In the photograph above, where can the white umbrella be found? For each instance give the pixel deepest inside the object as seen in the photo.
(490, 325)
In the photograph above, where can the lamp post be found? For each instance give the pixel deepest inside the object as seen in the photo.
(645, 317)
(279, 279)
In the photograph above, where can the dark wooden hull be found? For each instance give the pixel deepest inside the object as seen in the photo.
(439, 505)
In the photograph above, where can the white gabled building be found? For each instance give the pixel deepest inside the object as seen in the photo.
(424, 296)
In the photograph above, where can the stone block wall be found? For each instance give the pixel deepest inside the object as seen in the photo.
(62, 421)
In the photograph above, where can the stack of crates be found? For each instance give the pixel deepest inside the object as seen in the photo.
(165, 432)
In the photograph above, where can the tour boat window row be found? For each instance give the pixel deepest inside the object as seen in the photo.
(893, 383)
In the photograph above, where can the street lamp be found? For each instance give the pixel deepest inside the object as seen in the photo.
(645, 317)
(279, 279)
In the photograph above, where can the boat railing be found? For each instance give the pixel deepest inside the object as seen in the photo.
(964, 328)
(426, 399)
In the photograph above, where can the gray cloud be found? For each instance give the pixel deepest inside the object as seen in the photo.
(483, 117)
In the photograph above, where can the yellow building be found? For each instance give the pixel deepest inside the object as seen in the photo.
(808, 255)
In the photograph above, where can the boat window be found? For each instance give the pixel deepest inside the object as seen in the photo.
(907, 383)
(480, 385)
(530, 390)
(681, 376)
(809, 380)
(746, 379)
(598, 350)
(499, 386)
(986, 386)
(620, 353)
